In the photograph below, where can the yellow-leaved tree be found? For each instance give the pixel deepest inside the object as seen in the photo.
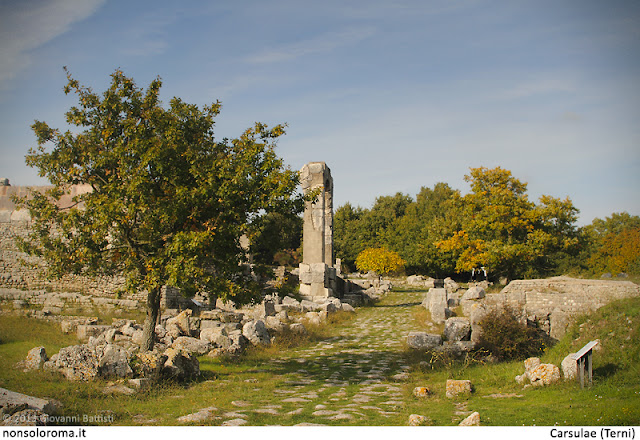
(379, 260)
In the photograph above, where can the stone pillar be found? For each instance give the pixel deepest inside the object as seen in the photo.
(318, 214)
(317, 275)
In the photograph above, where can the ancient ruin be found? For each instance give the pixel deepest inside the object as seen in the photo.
(317, 274)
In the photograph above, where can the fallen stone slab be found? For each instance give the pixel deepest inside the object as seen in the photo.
(423, 340)
(11, 398)
(197, 417)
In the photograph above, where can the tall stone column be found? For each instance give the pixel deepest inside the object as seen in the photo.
(317, 275)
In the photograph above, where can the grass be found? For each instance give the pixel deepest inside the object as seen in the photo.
(265, 375)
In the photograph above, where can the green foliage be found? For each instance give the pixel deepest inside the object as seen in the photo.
(275, 239)
(167, 202)
(379, 260)
(503, 231)
(613, 244)
(507, 338)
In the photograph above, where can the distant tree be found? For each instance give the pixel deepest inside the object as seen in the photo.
(614, 244)
(168, 202)
(424, 222)
(348, 234)
(503, 231)
(379, 260)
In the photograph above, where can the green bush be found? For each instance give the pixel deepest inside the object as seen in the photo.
(507, 338)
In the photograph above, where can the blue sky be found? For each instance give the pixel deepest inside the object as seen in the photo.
(392, 95)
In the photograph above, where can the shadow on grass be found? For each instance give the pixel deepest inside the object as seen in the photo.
(605, 371)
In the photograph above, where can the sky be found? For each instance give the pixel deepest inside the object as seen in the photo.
(393, 95)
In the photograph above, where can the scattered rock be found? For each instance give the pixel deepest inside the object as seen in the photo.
(256, 332)
(114, 362)
(199, 416)
(456, 388)
(298, 328)
(118, 388)
(21, 402)
(196, 346)
(150, 364)
(36, 357)
(180, 325)
(419, 420)
(472, 420)
(421, 392)
(569, 367)
(180, 364)
(529, 365)
(423, 340)
(77, 362)
(234, 422)
(544, 374)
(476, 292)
(457, 329)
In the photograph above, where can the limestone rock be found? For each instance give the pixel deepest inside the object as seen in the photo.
(78, 362)
(118, 389)
(421, 392)
(198, 417)
(273, 323)
(35, 359)
(256, 332)
(419, 420)
(114, 362)
(457, 329)
(569, 367)
(21, 402)
(423, 340)
(544, 374)
(150, 364)
(529, 365)
(474, 293)
(85, 331)
(180, 325)
(191, 345)
(298, 328)
(180, 365)
(313, 318)
(348, 308)
(472, 420)
(455, 388)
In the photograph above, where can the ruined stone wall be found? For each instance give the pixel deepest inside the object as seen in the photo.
(14, 274)
(556, 302)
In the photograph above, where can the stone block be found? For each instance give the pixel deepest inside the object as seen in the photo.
(11, 398)
(423, 340)
(474, 293)
(457, 329)
(456, 388)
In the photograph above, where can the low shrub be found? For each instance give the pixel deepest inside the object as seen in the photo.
(508, 338)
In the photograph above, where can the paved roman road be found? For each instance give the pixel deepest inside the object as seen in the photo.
(351, 378)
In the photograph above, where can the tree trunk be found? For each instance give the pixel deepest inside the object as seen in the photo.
(153, 312)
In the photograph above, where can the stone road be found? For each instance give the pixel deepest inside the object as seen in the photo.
(353, 377)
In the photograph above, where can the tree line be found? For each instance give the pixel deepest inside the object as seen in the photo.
(445, 233)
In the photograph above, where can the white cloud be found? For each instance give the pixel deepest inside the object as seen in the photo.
(320, 44)
(27, 25)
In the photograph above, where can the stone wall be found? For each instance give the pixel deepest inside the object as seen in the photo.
(15, 274)
(556, 302)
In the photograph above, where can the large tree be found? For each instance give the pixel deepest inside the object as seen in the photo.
(501, 229)
(168, 202)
